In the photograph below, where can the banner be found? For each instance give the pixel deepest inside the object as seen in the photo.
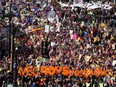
(64, 70)
(86, 4)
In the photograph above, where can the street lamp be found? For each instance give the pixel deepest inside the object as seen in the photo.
(9, 22)
(10, 40)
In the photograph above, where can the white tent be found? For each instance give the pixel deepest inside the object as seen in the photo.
(93, 5)
(78, 5)
(64, 5)
(107, 7)
(88, 4)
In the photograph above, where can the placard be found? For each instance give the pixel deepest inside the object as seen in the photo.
(64, 70)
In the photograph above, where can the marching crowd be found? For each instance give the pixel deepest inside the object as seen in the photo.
(78, 38)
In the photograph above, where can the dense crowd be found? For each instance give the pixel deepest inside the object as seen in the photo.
(78, 38)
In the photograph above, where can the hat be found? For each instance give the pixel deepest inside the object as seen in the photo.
(102, 24)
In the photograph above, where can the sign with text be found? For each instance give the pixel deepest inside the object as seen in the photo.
(56, 70)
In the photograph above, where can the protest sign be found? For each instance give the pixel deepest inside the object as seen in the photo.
(47, 28)
(64, 70)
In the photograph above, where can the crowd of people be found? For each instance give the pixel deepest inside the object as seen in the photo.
(78, 38)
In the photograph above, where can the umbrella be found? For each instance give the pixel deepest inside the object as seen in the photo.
(63, 4)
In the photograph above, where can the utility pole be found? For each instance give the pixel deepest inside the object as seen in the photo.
(10, 41)
(12, 55)
(13, 65)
